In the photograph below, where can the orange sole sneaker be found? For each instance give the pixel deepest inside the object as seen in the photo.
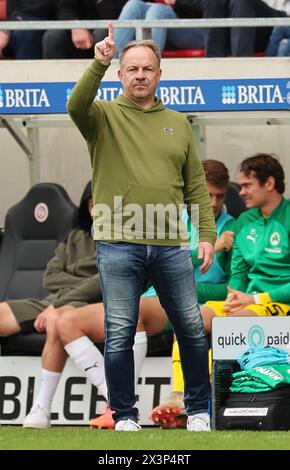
(103, 422)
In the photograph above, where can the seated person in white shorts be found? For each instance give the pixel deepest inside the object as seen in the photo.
(71, 278)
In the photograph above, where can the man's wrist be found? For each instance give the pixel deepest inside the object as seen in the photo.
(106, 63)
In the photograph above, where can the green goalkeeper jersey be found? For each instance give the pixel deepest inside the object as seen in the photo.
(261, 254)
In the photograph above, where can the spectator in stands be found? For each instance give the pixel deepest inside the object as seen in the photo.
(167, 10)
(260, 266)
(27, 44)
(238, 42)
(213, 284)
(78, 43)
(143, 166)
(279, 42)
(70, 277)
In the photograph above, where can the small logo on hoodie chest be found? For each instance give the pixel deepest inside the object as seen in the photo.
(168, 130)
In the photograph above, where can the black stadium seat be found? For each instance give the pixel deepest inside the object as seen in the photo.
(31, 344)
(33, 229)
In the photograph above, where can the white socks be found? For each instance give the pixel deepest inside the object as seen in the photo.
(48, 384)
(140, 350)
(89, 359)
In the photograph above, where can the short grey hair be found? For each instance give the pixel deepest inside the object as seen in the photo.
(141, 43)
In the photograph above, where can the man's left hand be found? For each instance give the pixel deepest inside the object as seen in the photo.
(206, 253)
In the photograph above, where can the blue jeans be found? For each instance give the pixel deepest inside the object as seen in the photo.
(239, 42)
(174, 38)
(123, 269)
(279, 43)
(27, 44)
(284, 48)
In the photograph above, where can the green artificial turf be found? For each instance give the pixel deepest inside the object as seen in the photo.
(82, 438)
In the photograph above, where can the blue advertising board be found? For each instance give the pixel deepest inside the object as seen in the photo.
(181, 95)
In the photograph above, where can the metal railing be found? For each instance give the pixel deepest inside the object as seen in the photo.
(30, 143)
(142, 26)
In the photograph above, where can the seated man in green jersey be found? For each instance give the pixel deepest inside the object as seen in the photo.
(259, 284)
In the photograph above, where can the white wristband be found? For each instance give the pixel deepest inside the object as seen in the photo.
(257, 299)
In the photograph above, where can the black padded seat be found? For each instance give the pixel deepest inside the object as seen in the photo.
(31, 344)
(33, 229)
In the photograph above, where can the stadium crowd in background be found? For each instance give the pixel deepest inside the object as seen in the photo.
(238, 42)
(26, 44)
(55, 44)
(78, 43)
(171, 39)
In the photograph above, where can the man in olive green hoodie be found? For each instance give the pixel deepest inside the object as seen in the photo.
(143, 158)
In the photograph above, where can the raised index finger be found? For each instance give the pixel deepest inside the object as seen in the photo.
(111, 30)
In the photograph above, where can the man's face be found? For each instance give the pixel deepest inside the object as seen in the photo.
(140, 75)
(217, 198)
(252, 192)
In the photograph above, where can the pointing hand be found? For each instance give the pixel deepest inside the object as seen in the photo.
(105, 49)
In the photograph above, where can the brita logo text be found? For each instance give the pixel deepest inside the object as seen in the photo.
(189, 95)
(24, 98)
(252, 94)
